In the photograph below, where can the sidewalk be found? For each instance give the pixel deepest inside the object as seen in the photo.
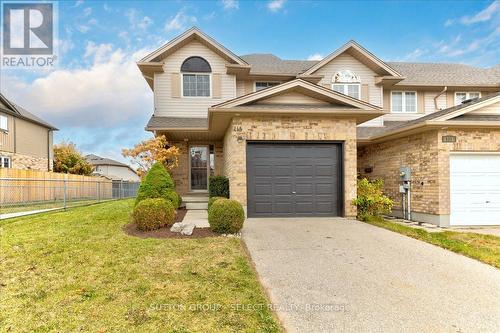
(198, 217)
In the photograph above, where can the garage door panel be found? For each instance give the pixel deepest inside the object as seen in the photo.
(474, 189)
(293, 179)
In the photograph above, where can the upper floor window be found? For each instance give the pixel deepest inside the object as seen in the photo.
(4, 125)
(196, 77)
(5, 162)
(347, 83)
(404, 101)
(264, 85)
(463, 96)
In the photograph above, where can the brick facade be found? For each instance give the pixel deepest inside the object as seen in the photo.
(25, 162)
(289, 129)
(429, 160)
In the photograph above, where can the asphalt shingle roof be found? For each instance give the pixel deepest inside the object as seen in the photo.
(23, 113)
(98, 160)
(177, 122)
(414, 73)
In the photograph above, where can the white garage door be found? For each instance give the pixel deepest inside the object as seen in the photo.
(475, 189)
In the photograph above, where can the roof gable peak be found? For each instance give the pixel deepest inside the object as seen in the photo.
(359, 52)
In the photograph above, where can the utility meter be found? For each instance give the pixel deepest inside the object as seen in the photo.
(405, 174)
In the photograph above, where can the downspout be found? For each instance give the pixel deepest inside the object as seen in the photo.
(48, 150)
(437, 96)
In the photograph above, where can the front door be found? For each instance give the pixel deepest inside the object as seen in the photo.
(199, 168)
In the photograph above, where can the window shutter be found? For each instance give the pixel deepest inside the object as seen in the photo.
(420, 103)
(216, 85)
(176, 85)
(248, 87)
(365, 92)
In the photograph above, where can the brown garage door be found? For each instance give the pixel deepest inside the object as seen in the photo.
(294, 179)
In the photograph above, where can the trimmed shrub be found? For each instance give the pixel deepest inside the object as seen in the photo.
(371, 202)
(155, 184)
(173, 197)
(226, 216)
(151, 214)
(218, 186)
(212, 200)
(179, 199)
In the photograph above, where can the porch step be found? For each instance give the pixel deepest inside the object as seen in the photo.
(195, 202)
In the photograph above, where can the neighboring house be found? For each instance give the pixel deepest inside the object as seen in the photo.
(112, 169)
(292, 135)
(25, 139)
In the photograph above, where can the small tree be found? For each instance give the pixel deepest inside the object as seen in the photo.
(67, 159)
(147, 152)
(157, 183)
(371, 201)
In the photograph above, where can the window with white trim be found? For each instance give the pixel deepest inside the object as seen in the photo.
(465, 95)
(5, 162)
(347, 82)
(404, 101)
(4, 124)
(350, 89)
(265, 84)
(196, 77)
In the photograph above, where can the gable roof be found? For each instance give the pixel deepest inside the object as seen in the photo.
(443, 117)
(184, 38)
(20, 112)
(98, 160)
(359, 51)
(301, 86)
(441, 74)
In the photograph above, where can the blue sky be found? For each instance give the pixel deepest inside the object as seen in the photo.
(99, 100)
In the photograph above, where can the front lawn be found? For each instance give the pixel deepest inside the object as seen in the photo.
(485, 248)
(77, 271)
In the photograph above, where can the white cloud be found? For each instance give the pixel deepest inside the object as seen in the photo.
(484, 15)
(180, 21)
(315, 56)
(137, 22)
(230, 4)
(415, 54)
(493, 10)
(87, 11)
(457, 47)
(108, 94)
(82, 28)
(275, 5)
(78, 3)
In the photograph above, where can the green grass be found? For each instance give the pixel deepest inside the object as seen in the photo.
(485, 248)
(77, 271)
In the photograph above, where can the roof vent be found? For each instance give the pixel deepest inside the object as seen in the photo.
(469, 100)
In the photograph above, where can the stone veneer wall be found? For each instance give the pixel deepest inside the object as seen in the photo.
(429, 160)
(181, 173)
(25, 162)
(420, 153)
(288, 128)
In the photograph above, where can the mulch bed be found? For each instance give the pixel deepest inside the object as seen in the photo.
(131, 229)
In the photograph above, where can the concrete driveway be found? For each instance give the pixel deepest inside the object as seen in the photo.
(338, 275)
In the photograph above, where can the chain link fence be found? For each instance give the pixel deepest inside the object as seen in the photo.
(20, 196)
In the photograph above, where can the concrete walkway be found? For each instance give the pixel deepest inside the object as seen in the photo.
(337, 275)
(198, 217)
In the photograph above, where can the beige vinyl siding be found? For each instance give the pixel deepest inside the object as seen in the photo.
(31, 139)
(7, 138)
(429, 106)
(240, 88)
(367, 76)
(292, 98)
(167, 105)
(490, 109)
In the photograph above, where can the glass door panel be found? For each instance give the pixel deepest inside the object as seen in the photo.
(199, 168)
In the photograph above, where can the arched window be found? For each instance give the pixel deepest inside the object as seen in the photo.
(347, 82)
(196, 77)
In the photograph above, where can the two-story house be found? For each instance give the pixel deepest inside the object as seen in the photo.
(292, 135)
(25, 139)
